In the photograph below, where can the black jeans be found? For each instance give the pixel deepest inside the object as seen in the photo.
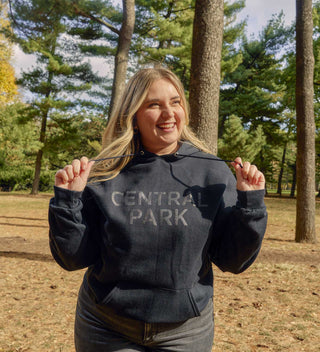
(99, 329)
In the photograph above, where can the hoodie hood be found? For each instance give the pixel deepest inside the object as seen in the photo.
(186, 149)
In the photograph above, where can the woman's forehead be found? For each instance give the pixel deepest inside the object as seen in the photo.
(162, 86)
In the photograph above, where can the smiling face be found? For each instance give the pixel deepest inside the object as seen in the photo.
(161, 118)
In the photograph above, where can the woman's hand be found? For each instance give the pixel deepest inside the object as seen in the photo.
(249, 178)
(74, 177)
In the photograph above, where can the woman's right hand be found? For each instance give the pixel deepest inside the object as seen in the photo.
(74, 177)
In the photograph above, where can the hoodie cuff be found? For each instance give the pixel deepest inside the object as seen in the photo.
(66, 198)
(251, 199)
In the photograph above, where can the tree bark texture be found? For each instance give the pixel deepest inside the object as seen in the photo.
(122, 55)
(305, 212)
(205, 70)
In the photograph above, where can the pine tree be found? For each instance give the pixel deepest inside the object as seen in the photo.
(233, 34)
(253, 91)
(60, 78)
(163, 35)
(107, 32)
(236, 141)
(288, 120)
(164, 31)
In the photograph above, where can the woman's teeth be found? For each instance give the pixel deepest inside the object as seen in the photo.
(166, 125)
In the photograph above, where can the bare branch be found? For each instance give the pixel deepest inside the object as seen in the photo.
(96, 19)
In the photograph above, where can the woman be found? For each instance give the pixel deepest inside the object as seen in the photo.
(157, 211)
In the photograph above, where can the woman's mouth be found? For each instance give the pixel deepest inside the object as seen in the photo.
(166, 126)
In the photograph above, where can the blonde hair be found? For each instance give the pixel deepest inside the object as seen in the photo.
(119, 137)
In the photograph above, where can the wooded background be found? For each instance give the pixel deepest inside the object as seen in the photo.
(242, 91)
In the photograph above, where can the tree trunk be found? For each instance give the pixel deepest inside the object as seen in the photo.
(36, 180)
(122, 55)
(279, 190)
(205, 70)
(305, 212)
(294, 180)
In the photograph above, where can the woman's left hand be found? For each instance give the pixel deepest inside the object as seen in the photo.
(249, 178)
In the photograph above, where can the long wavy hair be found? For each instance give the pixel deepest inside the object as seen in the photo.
(120, 138)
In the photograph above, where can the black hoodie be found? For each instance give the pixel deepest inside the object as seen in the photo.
(148, 236)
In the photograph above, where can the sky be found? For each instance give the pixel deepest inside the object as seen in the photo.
(257, 13)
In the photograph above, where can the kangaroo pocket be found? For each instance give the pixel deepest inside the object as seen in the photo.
(199, 295)
(157, 304)
(110, 295)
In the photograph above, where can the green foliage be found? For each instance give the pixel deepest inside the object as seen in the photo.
(19, 141)
(60, 83)
(76, 136)
(67, 138)
(19, 144)
(96, 25)
(41, 28)
(237, 141)
(20, 179)
(255, 90)
(233, 34)
(257, 105)
(163, 35)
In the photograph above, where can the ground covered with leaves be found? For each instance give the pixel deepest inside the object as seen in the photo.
(273, 306)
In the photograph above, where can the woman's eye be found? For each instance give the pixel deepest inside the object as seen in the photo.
(176, 102)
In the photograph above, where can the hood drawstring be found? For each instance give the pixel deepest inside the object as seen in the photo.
(176, 154)
(207, 158)
(114, 157)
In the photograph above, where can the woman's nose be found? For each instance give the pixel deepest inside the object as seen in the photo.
(168, 112)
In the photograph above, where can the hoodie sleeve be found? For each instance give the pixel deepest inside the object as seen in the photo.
(238, 231)
(72, 229)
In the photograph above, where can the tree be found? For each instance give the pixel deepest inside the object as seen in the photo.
(18, 141)
(18, 144)
(238, 141)
(100, 14)
(289, 122)
(205, 70)
(163, 35)
(8, 87)
(305, 212)
(316, 47)
(60, 78)
(254, 91)
(122, 55)
(233, 35)
(287, 137)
